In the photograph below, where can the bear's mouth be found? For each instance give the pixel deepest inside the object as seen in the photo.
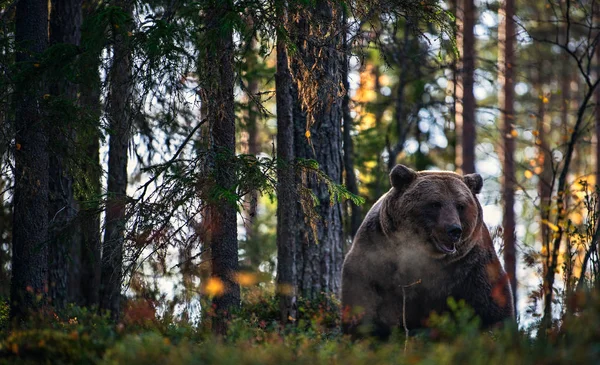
(446, 248)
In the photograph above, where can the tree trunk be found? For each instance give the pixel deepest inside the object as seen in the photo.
(506, 59)
(400, 111)
(286, 193)
(119, 119)
(64, 264)
(317, 73)
(252, 142)
(30, 204)
(89, 214)
(351, 183)
(465, 107)
(218, 85)
(597, 124)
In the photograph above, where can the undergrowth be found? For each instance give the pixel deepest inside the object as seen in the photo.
(80, 336)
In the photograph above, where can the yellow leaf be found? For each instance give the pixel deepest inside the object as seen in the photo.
(550, 225)
(36, 65)
(246, 278)
(46, 96)
(214, 287)
(307, 134)
(528, 174)
(535, 133)
(545, 100)
(514, 133)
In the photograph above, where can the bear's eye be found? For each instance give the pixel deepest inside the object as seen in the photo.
(435, 205)
(460, 207)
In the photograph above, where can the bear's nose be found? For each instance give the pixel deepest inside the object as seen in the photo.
(454, 232)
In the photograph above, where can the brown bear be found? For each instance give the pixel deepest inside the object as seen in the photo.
(425, 237)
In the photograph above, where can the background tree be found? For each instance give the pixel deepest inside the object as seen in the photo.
(64, 246)
(286, 192)
(30, 202)
(506, 68)
(119, 115)
(217, 78)
(465, 108)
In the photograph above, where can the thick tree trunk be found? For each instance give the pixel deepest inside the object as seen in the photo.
(286, 193)
(218, 84)
(506, 59)
(465, 107)
(317, 73)
(64, 247)
(89, 217)
(119, 119)
(351, 182)
(29, 284)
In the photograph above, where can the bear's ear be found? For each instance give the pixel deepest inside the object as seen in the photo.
(401, 176)
(474, 182)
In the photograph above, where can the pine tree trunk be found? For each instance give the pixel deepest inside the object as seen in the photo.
(597, 123)
(64, 247)
(319, 261)
(506, 58)
(351, 182)
(30, 204)
(465, 107)
(89, 214)
(218, 84)
(286, 193)
(119, 119)
(253, 143)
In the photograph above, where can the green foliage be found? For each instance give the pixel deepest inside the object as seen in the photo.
(4, 313)
(79, 336)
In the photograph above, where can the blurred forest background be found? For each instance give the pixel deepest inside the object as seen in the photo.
(171, 169)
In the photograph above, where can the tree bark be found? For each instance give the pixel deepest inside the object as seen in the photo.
(64, 247)
(286, 193)
(30, 204)
(465, 107)
(119, 119)
(316, 69)
(506, 63)
(89, 219)
(218, 85)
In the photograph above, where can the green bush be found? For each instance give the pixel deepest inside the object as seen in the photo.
(79, 336)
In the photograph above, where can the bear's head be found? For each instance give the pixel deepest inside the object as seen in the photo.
(437, 211)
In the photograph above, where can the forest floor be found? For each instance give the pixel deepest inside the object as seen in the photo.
(79, 336)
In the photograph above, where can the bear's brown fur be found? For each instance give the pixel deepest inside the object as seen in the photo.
(428, 229)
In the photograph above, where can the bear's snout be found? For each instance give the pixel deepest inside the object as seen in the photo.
(454, 232)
